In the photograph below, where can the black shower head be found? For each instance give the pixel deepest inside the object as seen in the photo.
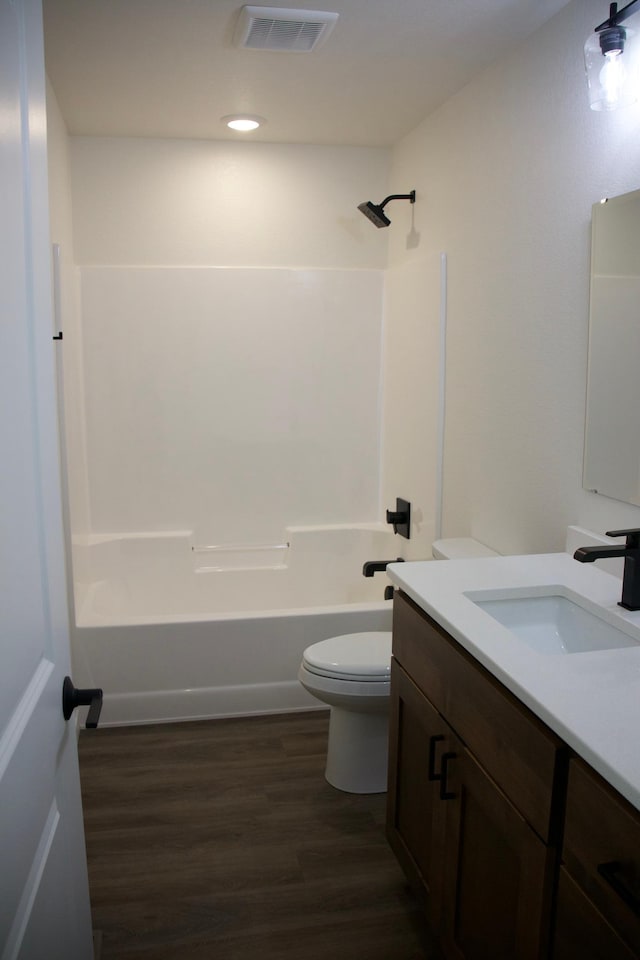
(375, 212)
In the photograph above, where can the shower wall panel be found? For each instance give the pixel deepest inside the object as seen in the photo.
(231, 401)
(413, 354)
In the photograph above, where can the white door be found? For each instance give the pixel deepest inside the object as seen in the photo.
(44, 900)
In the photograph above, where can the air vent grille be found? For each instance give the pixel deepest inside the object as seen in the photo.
(290, 31)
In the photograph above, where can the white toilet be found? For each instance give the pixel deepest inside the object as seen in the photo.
(351, 673)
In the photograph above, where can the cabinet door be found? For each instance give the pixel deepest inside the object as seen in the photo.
(601, 850)
(418, 738)
(581, 932)
(509, 742)
(497, 872)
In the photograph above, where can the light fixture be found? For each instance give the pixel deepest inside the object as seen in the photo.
(612, 74)
(243, 122)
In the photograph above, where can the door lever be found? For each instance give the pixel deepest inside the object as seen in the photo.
(73, 697)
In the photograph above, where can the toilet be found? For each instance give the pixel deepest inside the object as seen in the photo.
(351, 673)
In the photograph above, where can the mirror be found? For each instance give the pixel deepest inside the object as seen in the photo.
(612, 434)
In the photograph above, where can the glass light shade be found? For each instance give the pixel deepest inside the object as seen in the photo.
(612, 74)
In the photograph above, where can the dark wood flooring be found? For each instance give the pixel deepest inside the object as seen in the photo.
(222, 840)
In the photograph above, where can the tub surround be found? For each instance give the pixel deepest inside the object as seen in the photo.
(591, 700)
(231, 400)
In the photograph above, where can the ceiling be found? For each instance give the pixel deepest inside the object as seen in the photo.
(169, 68)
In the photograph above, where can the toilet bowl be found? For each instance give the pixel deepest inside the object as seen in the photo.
(351, 674)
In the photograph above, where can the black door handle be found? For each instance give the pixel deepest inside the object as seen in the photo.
(73, 697)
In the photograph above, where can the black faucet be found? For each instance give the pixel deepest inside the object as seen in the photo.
(377, 566)
(631, 553)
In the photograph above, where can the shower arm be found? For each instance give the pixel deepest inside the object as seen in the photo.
(399, 196)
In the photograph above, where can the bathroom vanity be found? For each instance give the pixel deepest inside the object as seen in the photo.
(516, 826)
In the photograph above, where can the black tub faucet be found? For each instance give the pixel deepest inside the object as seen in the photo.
(377, 566)
(631, 553)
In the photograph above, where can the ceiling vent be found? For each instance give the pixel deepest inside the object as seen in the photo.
(277, 28)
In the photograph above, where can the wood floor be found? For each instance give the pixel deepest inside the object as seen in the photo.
(222, 840)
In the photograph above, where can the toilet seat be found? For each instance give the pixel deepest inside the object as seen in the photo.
(360, 657)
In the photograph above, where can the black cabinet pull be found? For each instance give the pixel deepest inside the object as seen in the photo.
(73, 697)
(431, 770)
(444, 793)
(611, 873)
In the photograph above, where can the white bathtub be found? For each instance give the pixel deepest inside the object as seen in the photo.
(175, 630)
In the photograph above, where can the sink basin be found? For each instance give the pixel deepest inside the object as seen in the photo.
(555, 625)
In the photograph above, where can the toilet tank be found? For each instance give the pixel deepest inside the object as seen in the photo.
(460, 548)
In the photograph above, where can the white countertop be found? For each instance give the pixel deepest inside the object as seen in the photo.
(591, 700)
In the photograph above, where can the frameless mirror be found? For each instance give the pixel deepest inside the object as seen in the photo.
(612, 434)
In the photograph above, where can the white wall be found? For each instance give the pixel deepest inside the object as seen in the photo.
(192, 202)
(506, 173)
(232, 300)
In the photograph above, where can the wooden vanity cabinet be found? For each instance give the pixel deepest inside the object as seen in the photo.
(473, 805)
(415, 813)
(598, 902)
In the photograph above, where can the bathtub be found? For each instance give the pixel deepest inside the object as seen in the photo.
(176, 630)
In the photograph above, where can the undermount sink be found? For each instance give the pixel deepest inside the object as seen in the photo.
(554, 624)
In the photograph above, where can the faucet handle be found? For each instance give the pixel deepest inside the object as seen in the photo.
(401, 518)
(633, 536)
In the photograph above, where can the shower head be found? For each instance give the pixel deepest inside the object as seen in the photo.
(375, 212)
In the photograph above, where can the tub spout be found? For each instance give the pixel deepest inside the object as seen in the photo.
(377, 566)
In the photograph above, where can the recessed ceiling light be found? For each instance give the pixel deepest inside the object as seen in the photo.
(243, 122)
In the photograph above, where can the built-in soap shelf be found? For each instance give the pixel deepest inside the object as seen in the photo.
(221, 557)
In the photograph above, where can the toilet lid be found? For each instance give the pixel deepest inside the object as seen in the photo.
(353, 656)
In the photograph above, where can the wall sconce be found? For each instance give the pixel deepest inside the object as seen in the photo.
(611, 77)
